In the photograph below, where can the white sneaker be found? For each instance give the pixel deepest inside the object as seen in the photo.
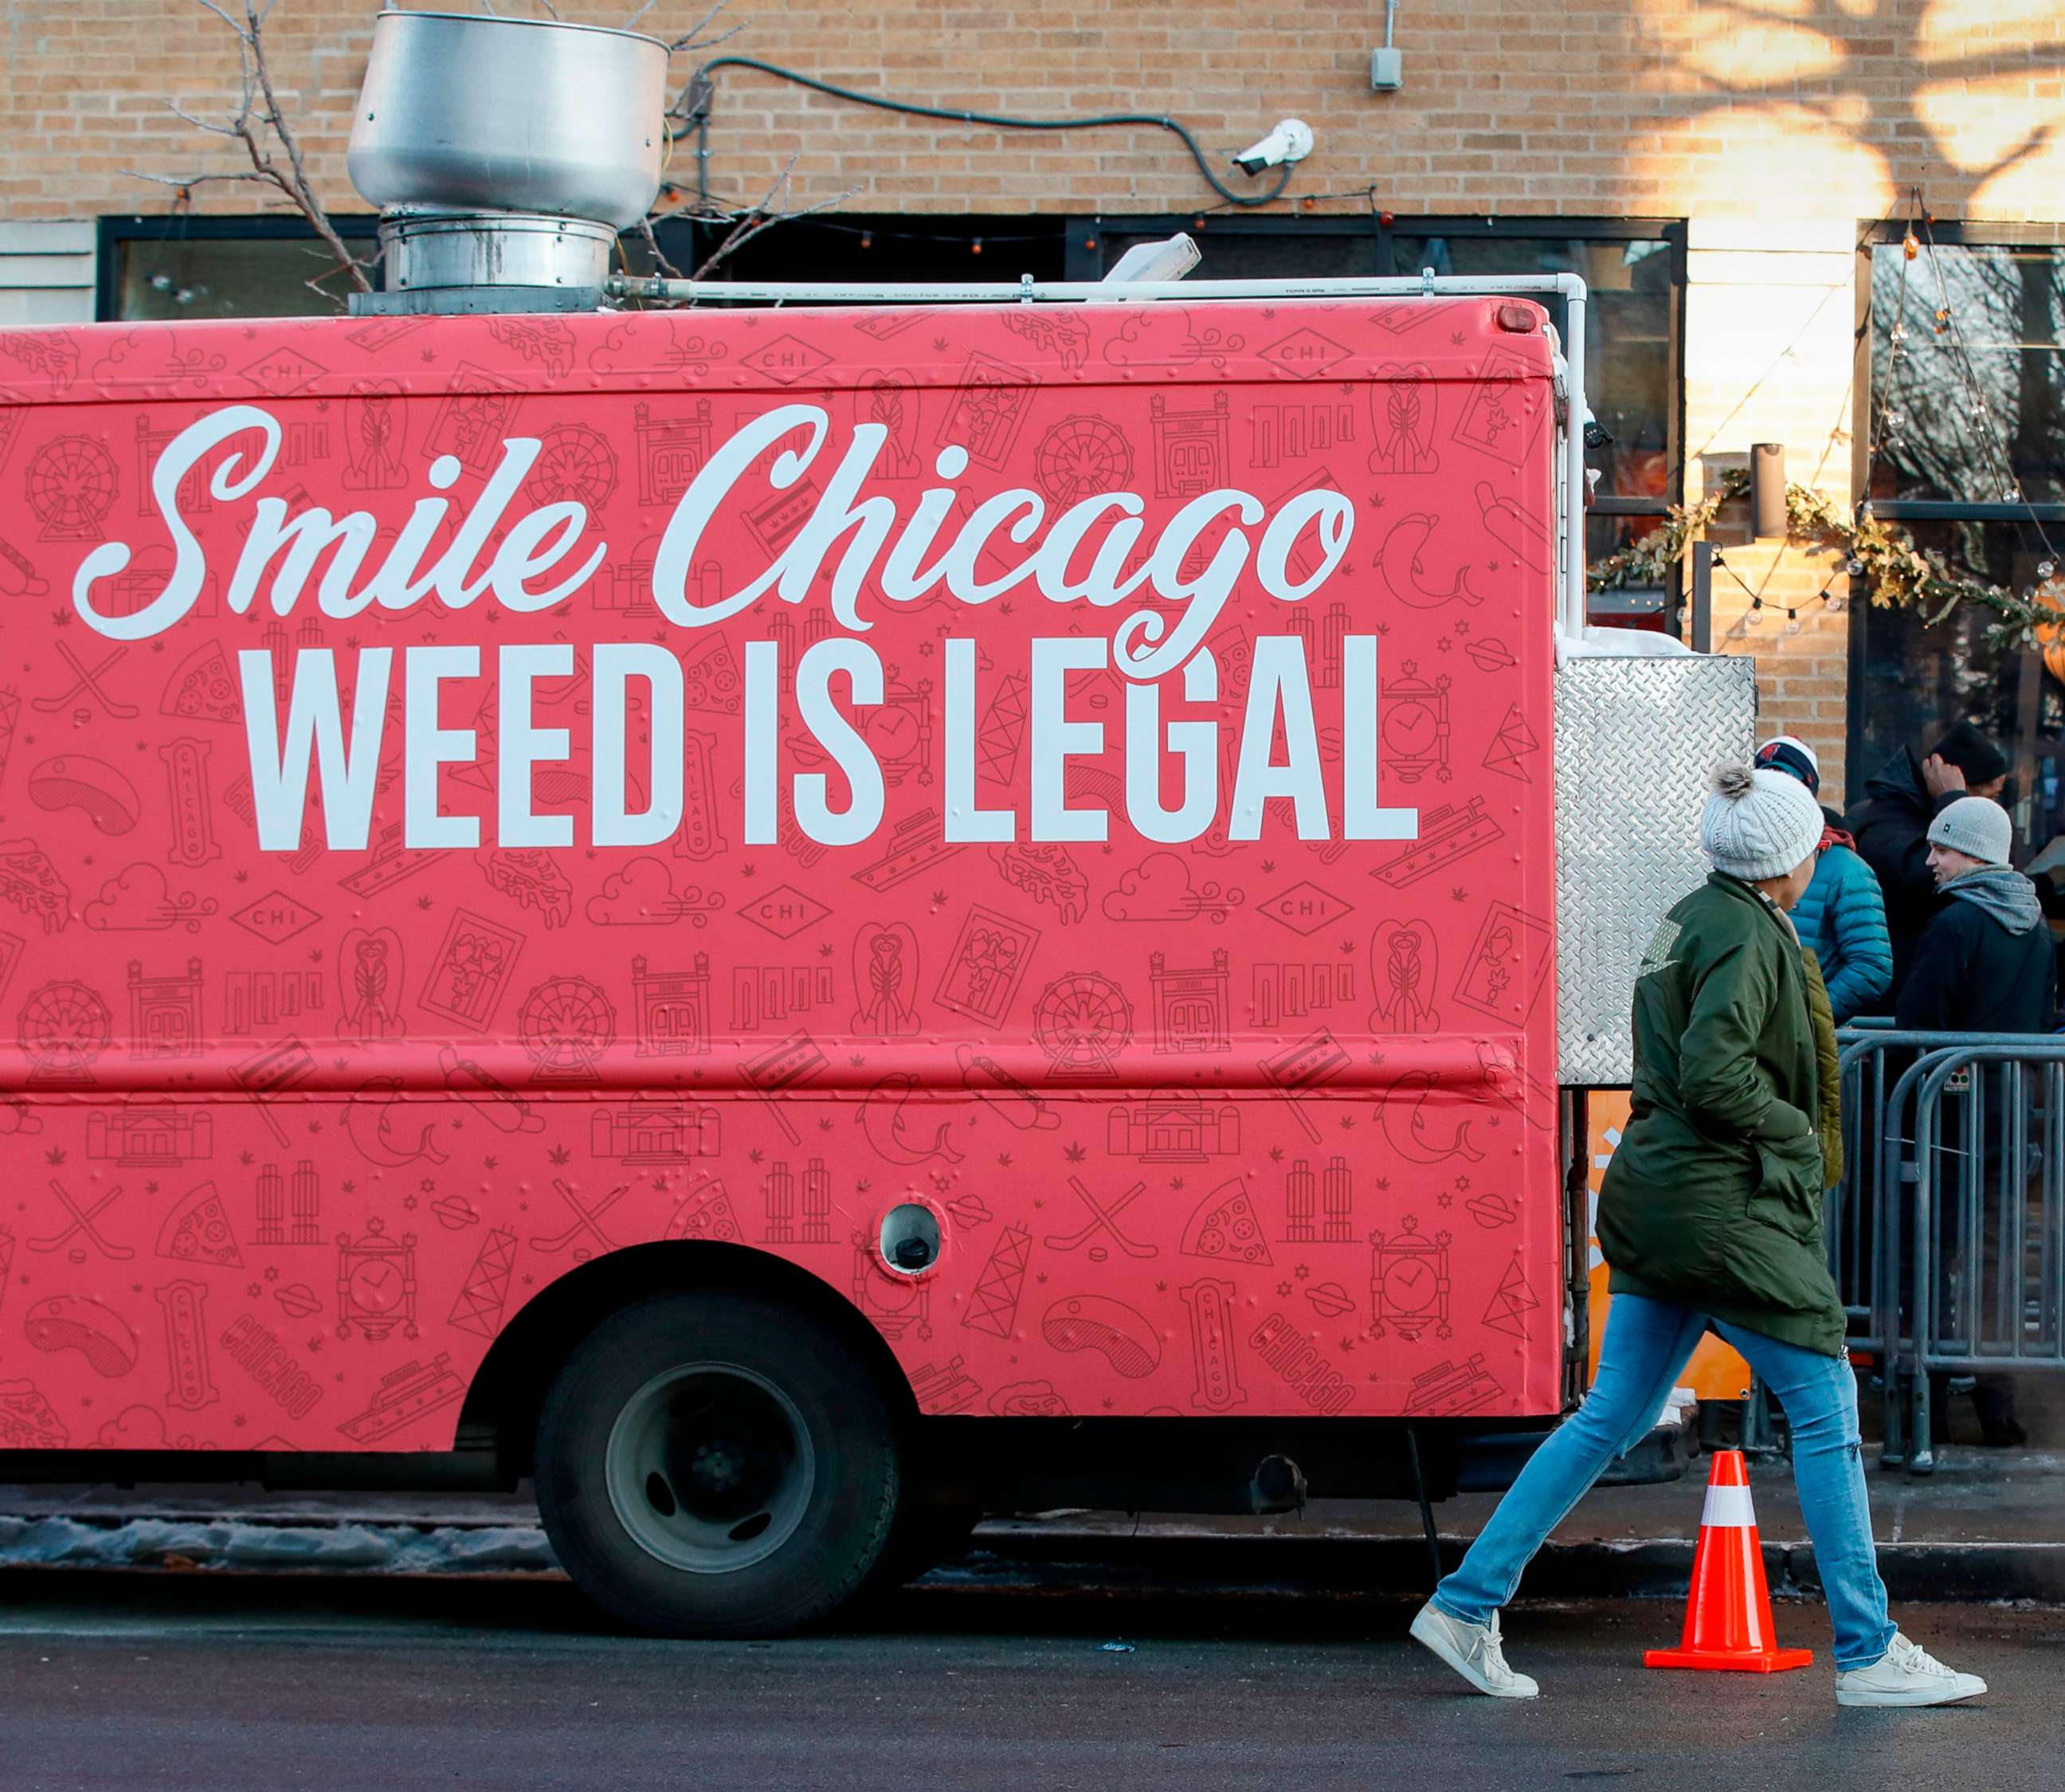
(1473, 1651)
(1907, 1674)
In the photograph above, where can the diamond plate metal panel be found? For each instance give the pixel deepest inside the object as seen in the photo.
(1635, 741)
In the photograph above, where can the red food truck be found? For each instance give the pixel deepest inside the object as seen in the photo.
(806, 922)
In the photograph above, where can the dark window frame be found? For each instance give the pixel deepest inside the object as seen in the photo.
(1946, 233)
(112, 232)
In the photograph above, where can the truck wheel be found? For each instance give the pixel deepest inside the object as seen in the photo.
(712, 1464)
(927, 1532)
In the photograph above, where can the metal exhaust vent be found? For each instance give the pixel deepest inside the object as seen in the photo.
(505, 154)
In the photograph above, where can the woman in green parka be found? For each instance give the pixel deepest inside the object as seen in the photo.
(1711, 1219)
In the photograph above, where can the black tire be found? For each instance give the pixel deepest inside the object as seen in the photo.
(929, 1531)
(715, 1465)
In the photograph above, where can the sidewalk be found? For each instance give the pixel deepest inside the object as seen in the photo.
(1987, 1525)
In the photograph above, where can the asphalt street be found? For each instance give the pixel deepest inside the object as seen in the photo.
(206, 1681)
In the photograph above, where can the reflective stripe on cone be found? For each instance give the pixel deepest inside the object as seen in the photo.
(1727, 1622)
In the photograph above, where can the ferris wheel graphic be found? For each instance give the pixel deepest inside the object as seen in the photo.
(1082, 1022)
(70, 485)
(574, 464)
(565, 1024)
(1080, 457)
(64, 1027)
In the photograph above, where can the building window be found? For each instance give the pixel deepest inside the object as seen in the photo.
(163, 269)
(867, 248)
(1966, 406)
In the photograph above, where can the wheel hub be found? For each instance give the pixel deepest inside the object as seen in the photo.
(719, 1467)
(710, 1467)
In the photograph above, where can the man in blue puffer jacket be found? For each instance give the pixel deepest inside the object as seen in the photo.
(1841, 919)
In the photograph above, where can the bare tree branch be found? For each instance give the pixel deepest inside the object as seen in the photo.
(186, 182)
(693, 38)
(666, 270)
(258, 117)
(749, 221)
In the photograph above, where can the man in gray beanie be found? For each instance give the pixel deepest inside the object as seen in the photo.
(1985, 962)
(1711, 1218)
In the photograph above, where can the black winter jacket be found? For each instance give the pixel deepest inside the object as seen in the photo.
(1891, 828)
(1970, 973)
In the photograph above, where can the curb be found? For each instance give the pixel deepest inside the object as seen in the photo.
(1031, 1556)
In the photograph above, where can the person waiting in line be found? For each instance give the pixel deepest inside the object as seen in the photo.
(1841, 919)
(1711, 1219)
(1986, 963)
(1891, 825)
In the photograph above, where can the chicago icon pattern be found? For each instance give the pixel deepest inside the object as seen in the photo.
(1251, 1118)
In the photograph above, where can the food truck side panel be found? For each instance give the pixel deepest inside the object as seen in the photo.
(1226, 1069)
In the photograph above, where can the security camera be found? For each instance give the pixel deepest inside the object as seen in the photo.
(1292, 141)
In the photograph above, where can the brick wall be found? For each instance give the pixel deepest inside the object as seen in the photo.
(1772, 127)
(1659, 107)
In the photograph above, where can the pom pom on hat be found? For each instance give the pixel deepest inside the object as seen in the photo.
(1758, 823)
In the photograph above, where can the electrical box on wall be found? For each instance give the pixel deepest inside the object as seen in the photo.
(1387, 70)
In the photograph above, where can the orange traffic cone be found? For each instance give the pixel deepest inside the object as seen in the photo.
(1728, 1624)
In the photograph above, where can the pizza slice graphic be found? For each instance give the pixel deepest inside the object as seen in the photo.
(711, 678)
(27, 1420)
(202, 687)
(1226, 1227)
(705, 1213)
(198, 1230)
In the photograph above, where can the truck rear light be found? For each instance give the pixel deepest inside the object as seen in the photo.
(1516, 320)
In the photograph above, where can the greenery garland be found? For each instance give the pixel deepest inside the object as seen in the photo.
(1895, 572)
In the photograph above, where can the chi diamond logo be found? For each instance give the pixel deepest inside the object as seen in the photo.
(276, 917)
(282, 372)
(1305, 908)
(784, 913)
(1305, 354)
(787, 359)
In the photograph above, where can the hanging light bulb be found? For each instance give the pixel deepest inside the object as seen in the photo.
(1835, 602)
(2045, 567)
(1753, 617)
(1791, 623)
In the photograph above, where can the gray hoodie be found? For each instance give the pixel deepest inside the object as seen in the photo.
(2005, 896)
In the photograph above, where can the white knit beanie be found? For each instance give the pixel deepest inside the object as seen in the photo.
(1758, 823)
(1977, 826)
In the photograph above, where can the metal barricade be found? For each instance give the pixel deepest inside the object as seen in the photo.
(1946, 1234)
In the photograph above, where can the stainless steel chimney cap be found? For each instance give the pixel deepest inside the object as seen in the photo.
(460, 112)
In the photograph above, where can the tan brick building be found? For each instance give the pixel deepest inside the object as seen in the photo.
(1733, 175)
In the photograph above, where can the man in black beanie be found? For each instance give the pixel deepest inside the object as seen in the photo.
(1891, 828)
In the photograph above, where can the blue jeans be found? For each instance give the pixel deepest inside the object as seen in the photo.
(1646, 1344)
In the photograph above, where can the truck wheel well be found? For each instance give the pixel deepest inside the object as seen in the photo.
(508, 1389)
